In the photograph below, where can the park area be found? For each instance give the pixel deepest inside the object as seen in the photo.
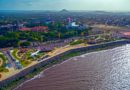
(23, 55)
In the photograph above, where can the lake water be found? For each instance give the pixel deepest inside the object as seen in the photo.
(102, 70)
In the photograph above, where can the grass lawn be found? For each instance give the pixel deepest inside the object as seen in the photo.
(40, 54)
(14, 54)
(27, 55)
(3, 61)
(76, 42)
(24, 63)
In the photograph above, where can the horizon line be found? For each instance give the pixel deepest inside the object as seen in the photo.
(68, 10)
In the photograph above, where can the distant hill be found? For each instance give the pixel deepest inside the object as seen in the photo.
(64, 11)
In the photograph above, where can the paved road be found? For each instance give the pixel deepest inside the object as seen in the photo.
(11, 60)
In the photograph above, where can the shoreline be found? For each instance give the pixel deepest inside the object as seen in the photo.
(59, 63)
(62, 58)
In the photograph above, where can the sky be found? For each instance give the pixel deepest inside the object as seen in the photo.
(103, 5)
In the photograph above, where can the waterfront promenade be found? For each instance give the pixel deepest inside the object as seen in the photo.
(55, 55)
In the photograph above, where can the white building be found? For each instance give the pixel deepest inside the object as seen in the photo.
(35, 53)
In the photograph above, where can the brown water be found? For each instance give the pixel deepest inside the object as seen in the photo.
(103, 70)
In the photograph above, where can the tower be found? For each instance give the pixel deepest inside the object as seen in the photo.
(69, 20)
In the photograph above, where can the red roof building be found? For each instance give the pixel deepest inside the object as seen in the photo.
(125, 34)
(25, 29)
(35, 29)
(40, 29)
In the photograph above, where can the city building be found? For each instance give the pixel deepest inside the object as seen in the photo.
(35, 29)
